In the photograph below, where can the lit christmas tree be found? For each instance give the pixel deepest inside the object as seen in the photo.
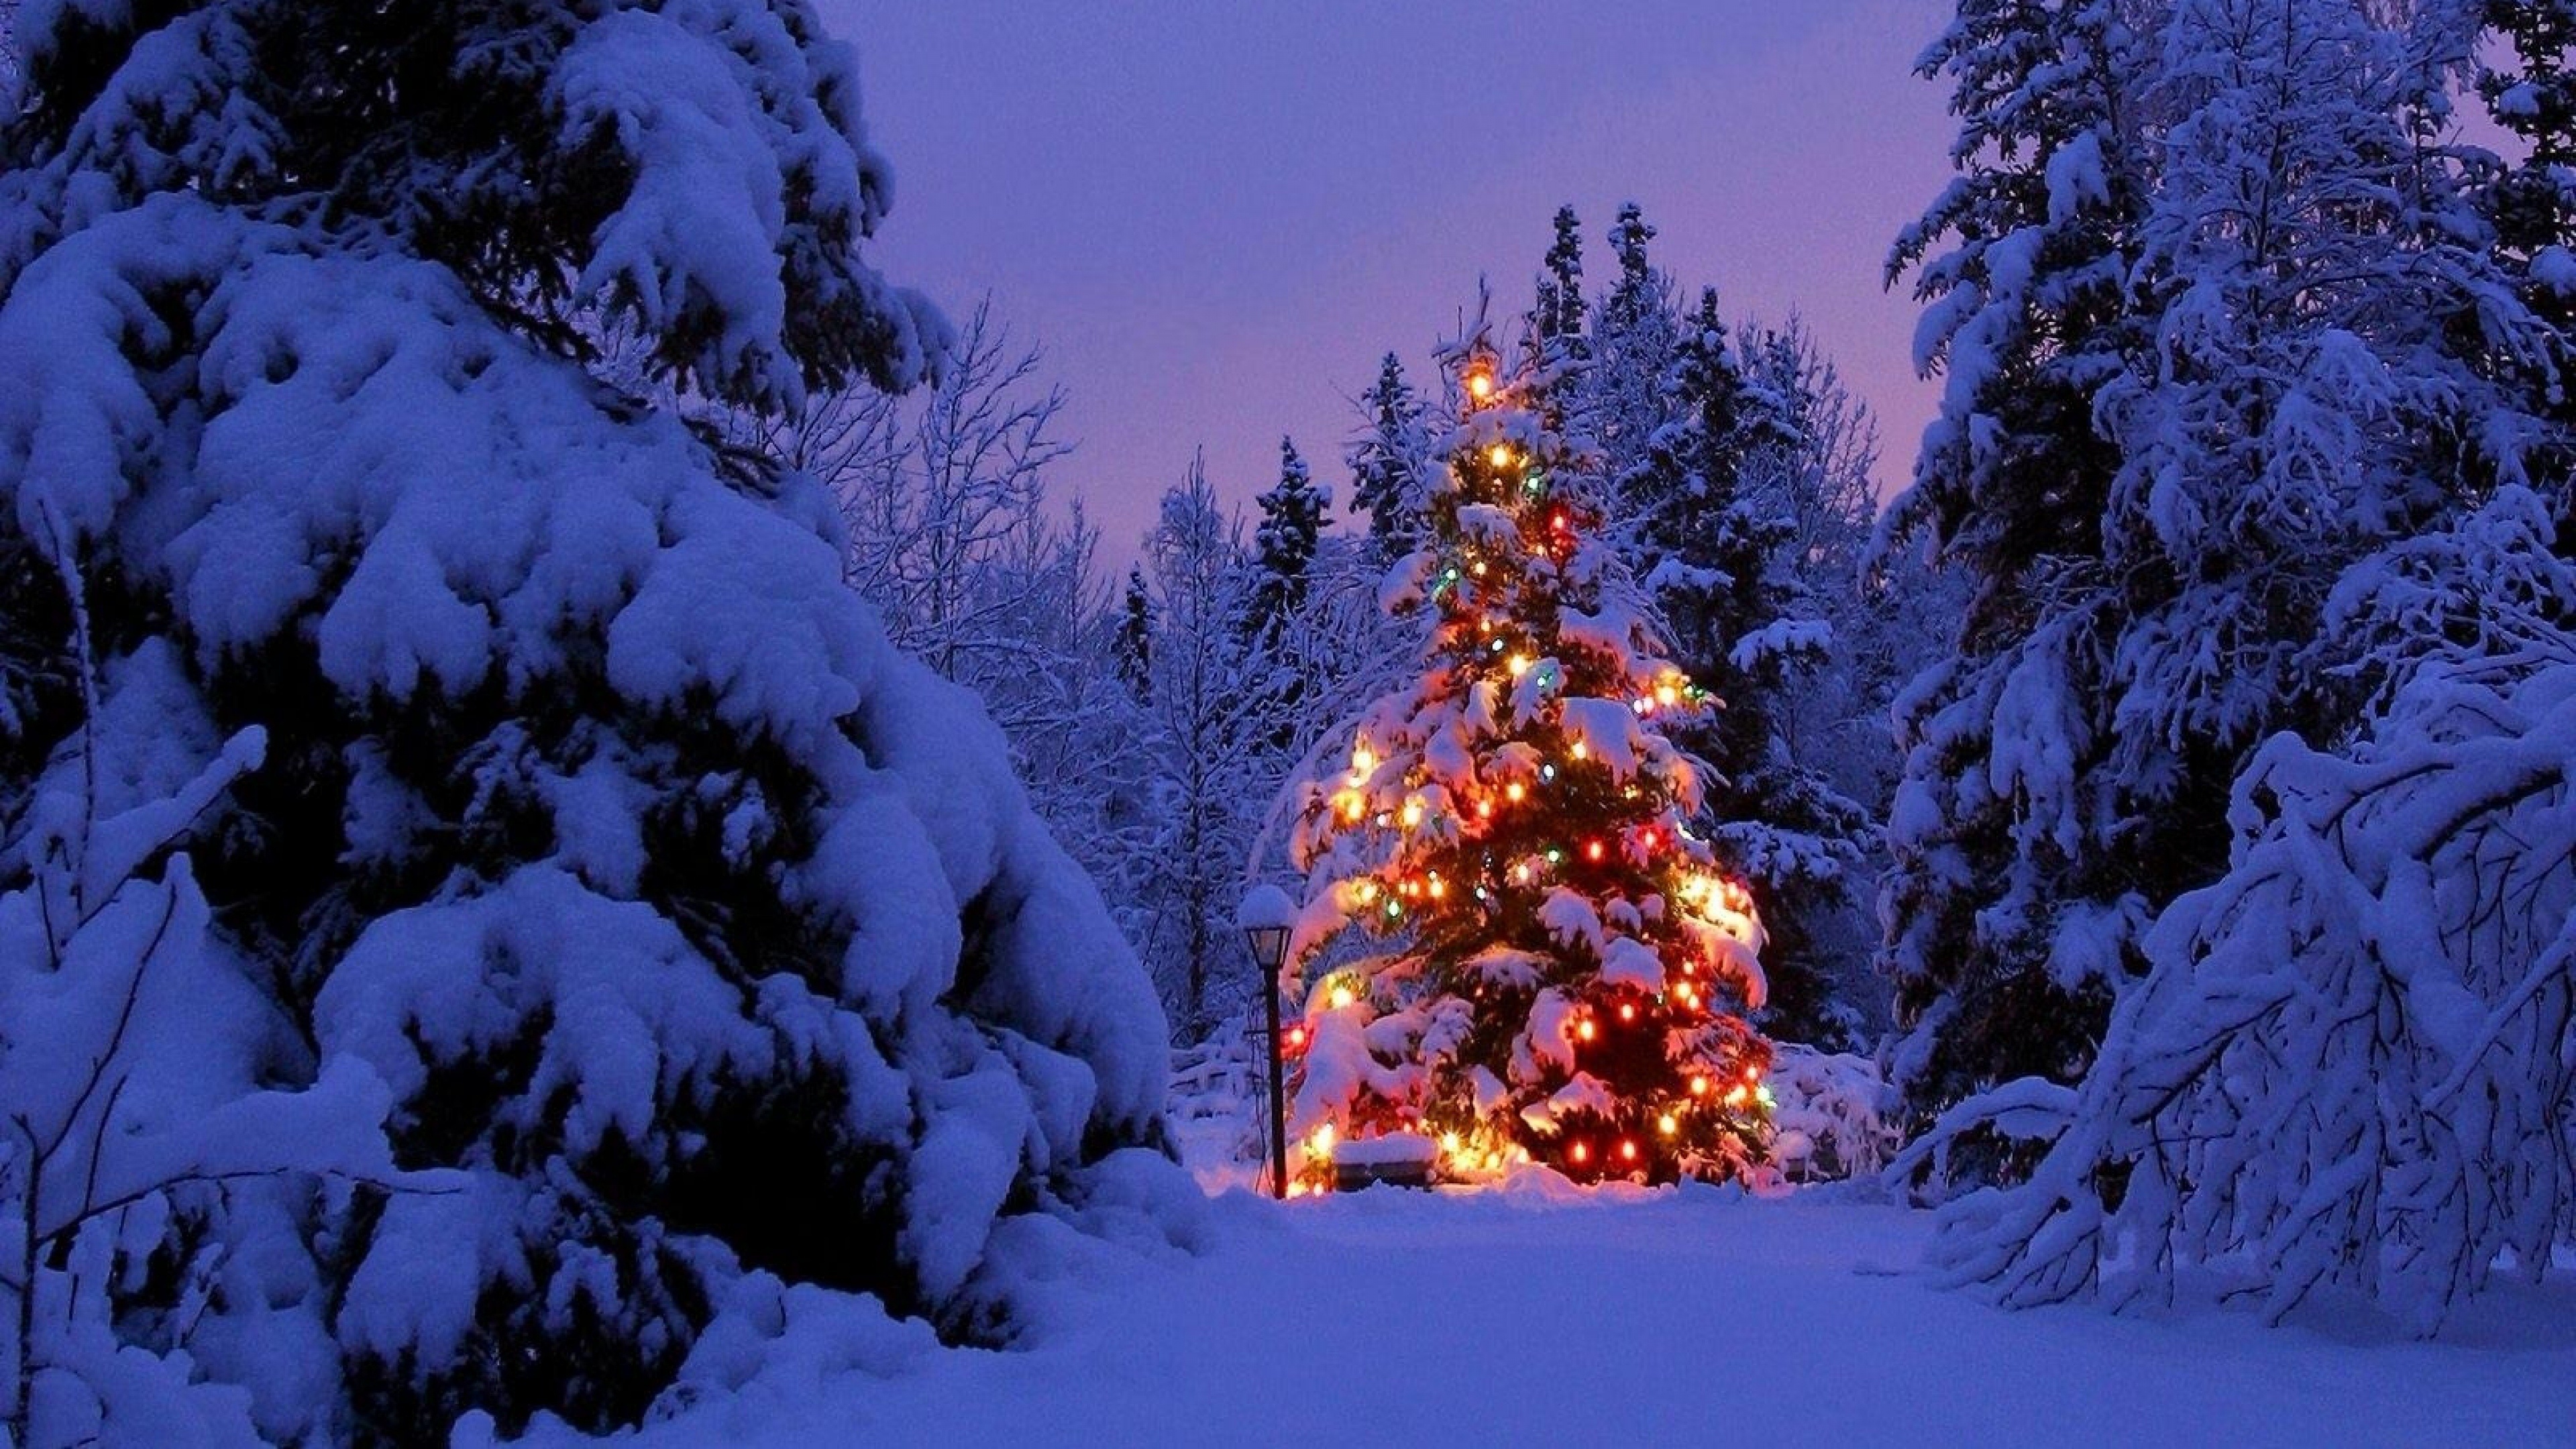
(1559, 973)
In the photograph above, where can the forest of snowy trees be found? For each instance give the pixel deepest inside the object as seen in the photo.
(1162, 716)
(2232, 903)
(582, 794)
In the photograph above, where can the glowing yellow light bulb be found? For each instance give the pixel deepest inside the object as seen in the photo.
(1321, 1144)
(1412, 813)
(1582, 751)
(1517, 665)
(1667, 696)
(1342, 996)
(1516, 792)
(1500, 455)
(1668, 1124)
(1699, 1086)
(1586, 1030)
(1480, 385)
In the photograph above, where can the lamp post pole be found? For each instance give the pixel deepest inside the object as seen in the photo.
(1267, 916)
(1278, 1085)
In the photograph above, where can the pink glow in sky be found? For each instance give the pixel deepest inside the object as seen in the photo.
(1216, 215)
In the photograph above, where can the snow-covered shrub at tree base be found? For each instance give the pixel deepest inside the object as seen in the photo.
(1833, 1114)
(701, 932)
(2354, 1062)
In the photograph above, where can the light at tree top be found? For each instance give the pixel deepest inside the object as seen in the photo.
(1555, 970)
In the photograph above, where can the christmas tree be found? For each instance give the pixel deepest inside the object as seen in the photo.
(1557, 972)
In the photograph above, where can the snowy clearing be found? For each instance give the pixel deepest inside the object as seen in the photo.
(1666, 1317)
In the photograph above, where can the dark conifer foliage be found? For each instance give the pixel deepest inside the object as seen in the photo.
(1710, 546)
(2027, 268)
(1285, 541)
(1389, 463)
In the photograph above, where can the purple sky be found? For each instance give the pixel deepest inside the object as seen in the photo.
(1216, 216)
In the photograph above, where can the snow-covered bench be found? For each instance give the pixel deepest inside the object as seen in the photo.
(1399, 1159)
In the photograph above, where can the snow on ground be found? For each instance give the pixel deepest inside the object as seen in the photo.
(1528, 1316)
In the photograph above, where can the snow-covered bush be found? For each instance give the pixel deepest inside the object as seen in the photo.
(697, 930)
(1833, 1115)
(2354, 1061)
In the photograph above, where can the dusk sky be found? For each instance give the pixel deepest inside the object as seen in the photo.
(1217, 216)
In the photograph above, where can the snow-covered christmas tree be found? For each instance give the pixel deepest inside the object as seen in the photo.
(1560, 973)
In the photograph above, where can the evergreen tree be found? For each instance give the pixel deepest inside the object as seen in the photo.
(700, 939)
(1564, 972)
(1389, 460)
(2008, 921)
(2311, 533)
(1714, 519)
(1559, 313)
(1135, 647)
(1634, 333)
(2530, 89)
(2310, 393)
(1284, 543)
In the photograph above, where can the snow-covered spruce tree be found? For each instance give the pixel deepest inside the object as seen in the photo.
(705, 935)
(1634, 333)
(1390, 464)
(1563, 972)
(1283, 563)
(1285, 541)
(1135, 642)
(2016, 886)
(1559, 312)
(2349, 1067)
(1711, 549)
(1885, 613)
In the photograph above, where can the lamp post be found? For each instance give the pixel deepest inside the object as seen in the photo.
(1266, 917)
